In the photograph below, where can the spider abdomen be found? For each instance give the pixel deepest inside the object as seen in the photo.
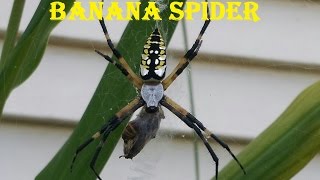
(140, 131)
(153, 58)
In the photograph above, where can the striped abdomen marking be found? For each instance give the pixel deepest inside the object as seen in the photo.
(153, 58)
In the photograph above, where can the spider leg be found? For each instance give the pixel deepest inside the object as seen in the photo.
(177, 109)
(187, 121)
(137, 82)
(219, 141)
(93, 161)
(112, 124)
(188, 57)
(99, 147)
(119, 66)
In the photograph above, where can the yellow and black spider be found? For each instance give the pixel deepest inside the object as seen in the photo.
(151, 86)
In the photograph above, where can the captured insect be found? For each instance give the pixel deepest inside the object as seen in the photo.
(151, 86)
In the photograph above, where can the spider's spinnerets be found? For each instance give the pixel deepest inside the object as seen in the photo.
(153, 58)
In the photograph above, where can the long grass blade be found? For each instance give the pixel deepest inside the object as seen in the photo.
(26, 55)
(286, 146)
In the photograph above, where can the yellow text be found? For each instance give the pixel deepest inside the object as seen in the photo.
(233, 11)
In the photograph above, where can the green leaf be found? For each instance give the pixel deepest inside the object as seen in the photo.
(285, 147)
(26, 55)
(113, 92)
(12, 30)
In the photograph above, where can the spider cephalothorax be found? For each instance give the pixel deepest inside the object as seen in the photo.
(152, 94)
(151, 86)
(153, 58)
